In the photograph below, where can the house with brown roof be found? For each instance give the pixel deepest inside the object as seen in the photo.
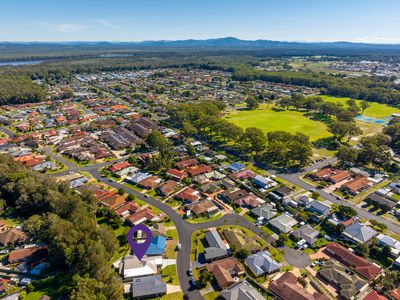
(25, 254)
(12, 236)
(167, 188)
(322, 174)
(250, 201)
(188, 195)
(122, 168)
(357, 185)
(198, 169)
(183, 164)
(225, 270)
(205, 207)
(362, 266)
(286, 287)
(127, 209)
(114, 201)
(176, 174)
(141, 216)
(150, 182)
(235, 195)
(349, 285)
(102, 195)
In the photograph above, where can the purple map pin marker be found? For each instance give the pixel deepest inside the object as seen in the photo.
(139, 249)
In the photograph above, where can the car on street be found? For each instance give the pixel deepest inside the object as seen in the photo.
(190, 272)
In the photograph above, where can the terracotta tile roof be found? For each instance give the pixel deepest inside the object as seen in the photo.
(119, 166)
(176, 174)
(373, 295)
(360, 264)
(199, 169)
(339, 176)
(167, 187)
(186, 163)
(188, 194)
(24, 253)
(115, 201)
(286, 287)
(202, 207)
(323, 173)
(244, 174)
(143, 214)
(395, 293)
(357, 184)
(223, 270)
(150, 182)
(130, 207)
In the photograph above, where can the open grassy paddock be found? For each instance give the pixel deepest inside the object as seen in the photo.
(268, 120)
(376, 110)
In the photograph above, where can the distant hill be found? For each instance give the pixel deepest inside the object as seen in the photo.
(227, 43)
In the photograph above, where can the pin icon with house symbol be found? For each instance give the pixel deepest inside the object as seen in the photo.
(139, 249)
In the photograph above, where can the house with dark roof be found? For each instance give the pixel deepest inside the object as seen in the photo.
(167, 188)
(286, 287)
(320, 208)
(216, 247)
(350, 286)
(205, 207)
(307, 233)
(280, 194)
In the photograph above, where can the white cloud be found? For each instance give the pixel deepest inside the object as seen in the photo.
(68, 28)
(107, 24)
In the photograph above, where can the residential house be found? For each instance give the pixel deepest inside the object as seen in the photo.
(176, 174)
(167, 188)
(241, 291)
(320, 208)
(216, 247)
(114, 201)
(25, 254)
(243, 175)
(385, 240)
(12, 236)
(382, 200)
(157, 246)
(198, 169)
(130, 267)
(141, 216)
(138, 177)
(188, 195)
(148, 287)
(264, 182)
(235, 195)
(236, 167)
(359, 264)
(284, 223)
(127, 209)
(350, 286)
(339, 176)
(122, 168)
(224, 270)
(373, 295)
(150, 182)
(359, 233)
(356, 185)
(183, 164)
(266, 210)
(205, 207)
(307, 233)
(262, 263)
(286, 287)
(280, 194)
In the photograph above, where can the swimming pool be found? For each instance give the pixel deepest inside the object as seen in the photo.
(383, 121)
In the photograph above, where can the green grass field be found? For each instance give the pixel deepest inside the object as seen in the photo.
(269, 120)
(376, 110)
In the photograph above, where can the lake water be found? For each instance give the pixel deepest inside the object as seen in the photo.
(20, 62)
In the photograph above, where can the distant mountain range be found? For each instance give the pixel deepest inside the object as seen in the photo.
(227, 44)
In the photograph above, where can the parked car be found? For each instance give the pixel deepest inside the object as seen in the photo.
(190, 272)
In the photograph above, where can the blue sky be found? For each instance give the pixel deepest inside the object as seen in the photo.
(374, 21)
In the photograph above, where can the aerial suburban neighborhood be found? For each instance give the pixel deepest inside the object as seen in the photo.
(253, 168)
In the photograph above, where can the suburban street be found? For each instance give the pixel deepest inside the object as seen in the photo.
(185, 229)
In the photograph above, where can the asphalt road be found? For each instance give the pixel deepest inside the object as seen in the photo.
(185, 230)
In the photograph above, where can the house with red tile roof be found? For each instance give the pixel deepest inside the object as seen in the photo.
(167, 188)
(114, 201)
(357, 185)
(176, 174)
(183, 164)
(127, 209)
(188, 195)
(141, 216)
(373, 295)
(150, 182)
(362, 266)
(198, 169)
(244, 174)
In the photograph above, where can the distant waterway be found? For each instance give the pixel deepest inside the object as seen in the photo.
(20, 62)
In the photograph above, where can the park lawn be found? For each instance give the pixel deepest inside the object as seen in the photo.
(204, 219)
(288, 120)
(169, 275)
(376, 110)
(34, 295)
